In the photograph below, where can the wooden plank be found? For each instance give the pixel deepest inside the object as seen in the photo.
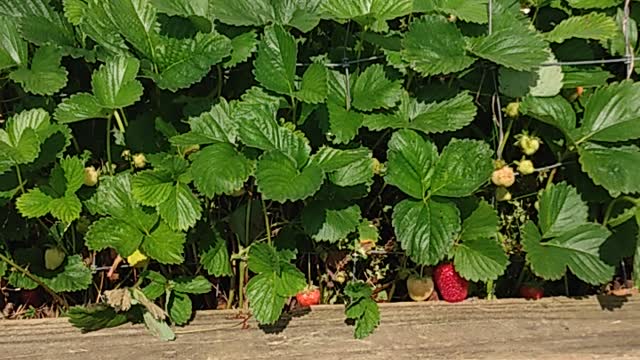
(552, 328)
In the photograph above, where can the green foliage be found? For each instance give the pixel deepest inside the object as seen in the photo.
(362, 309)
(212, 138)
(276, 280)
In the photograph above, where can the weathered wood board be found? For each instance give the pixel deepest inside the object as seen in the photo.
(552, 328)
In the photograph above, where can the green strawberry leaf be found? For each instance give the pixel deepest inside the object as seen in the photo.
(595, 26)
(343, 124)
(327, 221)
(411, 160)
(46, 76)
(182, 208)
(275, 64)
(180, 308)
(75, 276)
(313, 88)
(13, 50)
(164, 245)
(34, 203)
(114, 83)
(426, 230)
(345, 167)
(260, 130)
(372, 90)
(612, 167)
(470, 11)
(95, 317)
(512, 43)
(220, 169)
(303, 15)
(192, 285)
(158, 328)
(242, 47)
(482, 223)
(612, 113)
(151, 187)
(136, 21)
(593, 4)
(480, 259)
(184, 8)
(80, 106)
(362, 308)
(279, 179)
(66, 208)
(215, 125)
(215, 259)
(183, 62)
(39, 23)
(266, 305)
(368, 13)
(434, 46)
(577, 248)
(561, 208)
(555, 111)
(113, 233)
(463, 167)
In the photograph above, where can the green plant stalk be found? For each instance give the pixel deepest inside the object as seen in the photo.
(119, 121)
(20, 181)
(267, 224)
(243, 269)
(607, 214)
(490, 290)
(124, 117)
(35, 279)
(109, 170)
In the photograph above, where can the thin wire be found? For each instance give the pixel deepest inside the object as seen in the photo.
(626, 60)
(628, 53)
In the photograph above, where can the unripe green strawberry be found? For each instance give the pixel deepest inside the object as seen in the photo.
(139, 161)
(53, 258)
(420, 288)
(340, 277)
(525, 167)
(91, 176)
(512, 110)
(503, 177)
(529, 144)
(378, 167)
(502, 194)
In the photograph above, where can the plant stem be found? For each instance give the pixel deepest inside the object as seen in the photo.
(566, 285)
(309, 269)
(119, 121)
(243, 267)
(35, 279)
(490, 290)
(266, 221)
(124, 117)
(19, 175)
(109, 146)
(219, 84)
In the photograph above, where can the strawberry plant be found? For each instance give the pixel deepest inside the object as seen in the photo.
(163, 156)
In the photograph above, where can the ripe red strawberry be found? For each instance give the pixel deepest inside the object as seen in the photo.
(309, 296)
(531, 292)
(451, 286)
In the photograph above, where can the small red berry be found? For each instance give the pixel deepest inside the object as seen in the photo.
(531, 292)
(308, 297)
(452, 287)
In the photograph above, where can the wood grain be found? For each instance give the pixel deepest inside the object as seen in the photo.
(552, 328)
